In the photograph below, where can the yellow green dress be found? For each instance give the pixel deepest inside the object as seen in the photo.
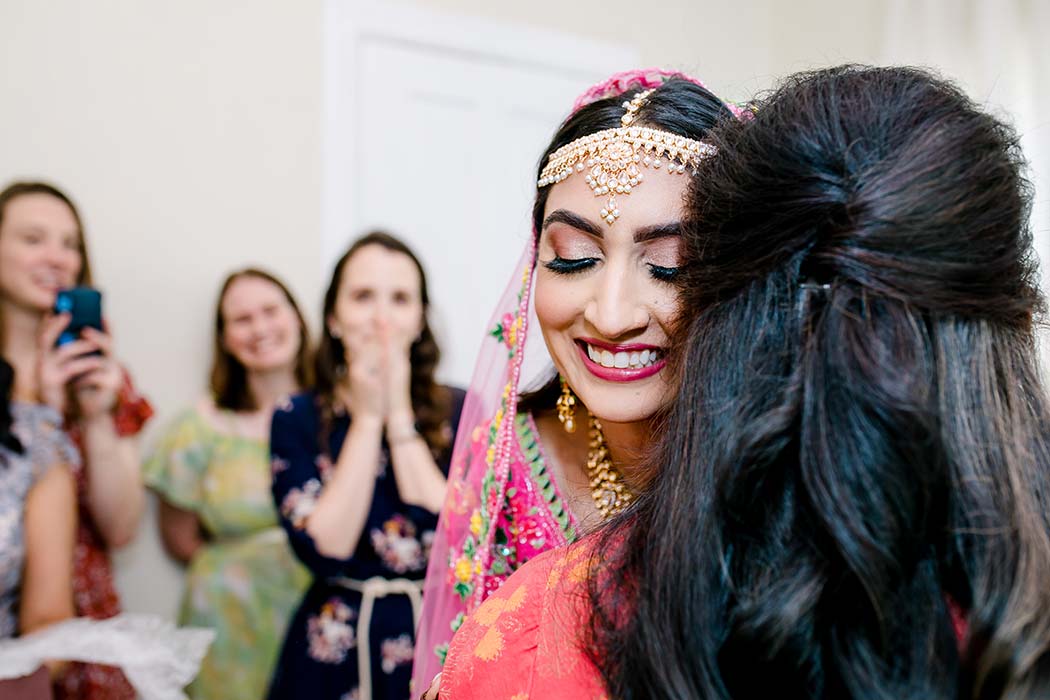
(244, 583)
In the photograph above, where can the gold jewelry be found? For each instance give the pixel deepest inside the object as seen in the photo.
(611, 495)
(614, 156)
(567, 407)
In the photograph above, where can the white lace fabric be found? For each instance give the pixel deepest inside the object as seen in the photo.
(158, 658)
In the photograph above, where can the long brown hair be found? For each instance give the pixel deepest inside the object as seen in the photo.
(431, 402)
(19, 189)
(229, 376)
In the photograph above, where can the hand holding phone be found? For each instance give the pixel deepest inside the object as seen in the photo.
(84, 306)
(75, 356)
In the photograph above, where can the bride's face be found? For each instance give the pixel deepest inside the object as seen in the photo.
(605, 297)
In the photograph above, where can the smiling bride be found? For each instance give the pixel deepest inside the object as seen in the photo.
(536, 470)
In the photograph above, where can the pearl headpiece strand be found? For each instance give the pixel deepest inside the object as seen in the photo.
(613, 158)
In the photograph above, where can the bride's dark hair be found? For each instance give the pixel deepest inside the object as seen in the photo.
(860, 441)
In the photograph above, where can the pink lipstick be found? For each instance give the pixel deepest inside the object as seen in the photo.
(632, 362)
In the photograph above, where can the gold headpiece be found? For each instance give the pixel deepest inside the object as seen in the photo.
(614, 156)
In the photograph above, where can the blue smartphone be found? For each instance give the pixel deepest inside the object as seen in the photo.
(84, 305)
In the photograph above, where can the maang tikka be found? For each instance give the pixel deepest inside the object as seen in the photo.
(614, 157)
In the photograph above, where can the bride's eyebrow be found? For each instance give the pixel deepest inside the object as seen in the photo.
(651, 233)
(564, 216)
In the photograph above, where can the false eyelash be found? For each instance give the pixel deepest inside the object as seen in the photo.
(664, 274)
(564, 266)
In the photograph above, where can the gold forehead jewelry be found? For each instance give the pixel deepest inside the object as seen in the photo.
(614, 156)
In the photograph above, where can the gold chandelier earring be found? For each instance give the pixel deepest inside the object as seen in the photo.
(567, 407)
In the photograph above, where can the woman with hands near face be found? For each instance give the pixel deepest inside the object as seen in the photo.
(42, 251)
(359, 475)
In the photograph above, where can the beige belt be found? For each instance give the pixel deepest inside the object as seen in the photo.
(370, 589)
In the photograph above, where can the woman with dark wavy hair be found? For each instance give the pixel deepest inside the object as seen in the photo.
(851, 496)
(359, 469)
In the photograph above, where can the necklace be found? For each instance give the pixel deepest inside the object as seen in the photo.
(611, 495)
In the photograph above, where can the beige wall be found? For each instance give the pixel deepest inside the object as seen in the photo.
(190, 134)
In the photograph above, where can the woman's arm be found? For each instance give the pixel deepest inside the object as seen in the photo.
(50, 533)
(419, 480)
(338, 519)
(180, 530)
(323, 509)
(115, 495)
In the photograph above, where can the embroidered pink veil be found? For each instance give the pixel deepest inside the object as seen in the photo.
(491, 405)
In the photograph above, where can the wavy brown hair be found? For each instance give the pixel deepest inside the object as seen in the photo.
(431, 402)
(229, 376)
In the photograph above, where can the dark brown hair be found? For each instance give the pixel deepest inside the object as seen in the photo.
(431, 402)
(860, 445)
(229, 377)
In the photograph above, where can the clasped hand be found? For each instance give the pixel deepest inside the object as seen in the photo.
(379, 374)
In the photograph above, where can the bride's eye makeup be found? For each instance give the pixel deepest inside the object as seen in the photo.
(663, 257)
(563, 266)
(573, 252)
(663, 274)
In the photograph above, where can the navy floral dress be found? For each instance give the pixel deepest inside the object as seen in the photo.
(320, 654)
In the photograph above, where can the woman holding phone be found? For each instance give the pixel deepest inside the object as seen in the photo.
(42, 251)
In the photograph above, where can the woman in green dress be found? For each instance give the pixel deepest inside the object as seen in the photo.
(211, 471)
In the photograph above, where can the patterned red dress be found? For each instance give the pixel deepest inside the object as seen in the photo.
(94, 594)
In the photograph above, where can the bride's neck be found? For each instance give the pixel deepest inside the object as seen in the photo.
(628, 443)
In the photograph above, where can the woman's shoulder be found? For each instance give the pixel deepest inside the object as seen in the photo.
(39, 429)
(200, 415)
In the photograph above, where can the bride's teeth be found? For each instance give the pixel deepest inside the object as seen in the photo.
(622, 359)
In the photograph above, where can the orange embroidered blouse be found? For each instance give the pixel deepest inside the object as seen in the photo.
(522, 643)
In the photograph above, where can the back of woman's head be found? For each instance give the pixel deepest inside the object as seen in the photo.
(858, 460)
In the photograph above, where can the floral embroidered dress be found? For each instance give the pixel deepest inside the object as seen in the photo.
(358, 609)
(245, 582)
(39, 429)
(94, 594)
(523, 642)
